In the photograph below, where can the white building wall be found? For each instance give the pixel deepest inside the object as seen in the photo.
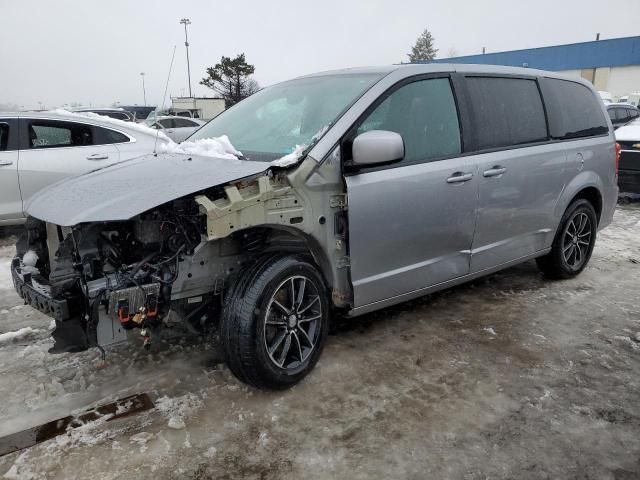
(624, 80)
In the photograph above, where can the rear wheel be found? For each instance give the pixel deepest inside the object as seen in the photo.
(276, 322)
(573, 243)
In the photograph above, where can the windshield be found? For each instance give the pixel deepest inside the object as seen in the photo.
(274, 121)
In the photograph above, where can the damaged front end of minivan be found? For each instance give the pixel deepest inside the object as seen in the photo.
(107, 272)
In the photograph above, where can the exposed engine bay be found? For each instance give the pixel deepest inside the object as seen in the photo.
(168, 267)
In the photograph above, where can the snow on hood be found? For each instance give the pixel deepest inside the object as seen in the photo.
(221, 147)
(629, 133)
(218, 147)
(137, 127)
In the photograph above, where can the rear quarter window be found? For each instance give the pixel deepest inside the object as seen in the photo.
(505, 112)
(573, 109)
(104, 136)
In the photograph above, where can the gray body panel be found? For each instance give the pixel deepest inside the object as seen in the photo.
(516, 209)
(129, 188)
(409, 228)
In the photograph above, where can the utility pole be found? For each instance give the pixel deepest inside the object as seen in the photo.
(185, 22)
(144, 91)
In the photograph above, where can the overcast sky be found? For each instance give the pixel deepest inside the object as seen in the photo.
(91, 51)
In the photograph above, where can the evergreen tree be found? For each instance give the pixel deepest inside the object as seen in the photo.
(231, 79)
(423, 49)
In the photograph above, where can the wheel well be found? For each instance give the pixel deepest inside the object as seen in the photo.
(592, 195)
(288, 240)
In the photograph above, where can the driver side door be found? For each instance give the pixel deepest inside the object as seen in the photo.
(411, 223)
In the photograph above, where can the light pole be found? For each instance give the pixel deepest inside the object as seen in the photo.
(185, 22)
(144, 91)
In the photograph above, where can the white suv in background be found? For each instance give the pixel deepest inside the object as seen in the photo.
(40, 148)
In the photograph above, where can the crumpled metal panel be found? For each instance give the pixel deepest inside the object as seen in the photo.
(126, 189)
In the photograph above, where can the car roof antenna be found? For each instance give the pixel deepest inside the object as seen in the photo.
(164, 98)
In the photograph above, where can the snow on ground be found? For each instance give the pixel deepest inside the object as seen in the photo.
(510, 376)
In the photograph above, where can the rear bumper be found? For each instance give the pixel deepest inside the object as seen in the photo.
(629, 181)
(36, 298)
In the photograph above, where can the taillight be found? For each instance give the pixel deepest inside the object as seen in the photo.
(618, 148)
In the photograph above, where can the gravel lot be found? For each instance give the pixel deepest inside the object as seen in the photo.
(510, 376)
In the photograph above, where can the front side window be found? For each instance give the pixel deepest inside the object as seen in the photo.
(574, 111)
(4, 136)
(271, 123)
(505, 112)
(424, 113)
(621, 114)
(612, 113)
(51, 134)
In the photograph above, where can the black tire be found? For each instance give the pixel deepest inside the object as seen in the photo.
(251, 320)
(558, 263)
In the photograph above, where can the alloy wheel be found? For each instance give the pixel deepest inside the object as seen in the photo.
(577, 240)
(293, 322)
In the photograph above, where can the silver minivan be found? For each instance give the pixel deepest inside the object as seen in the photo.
(338, 193)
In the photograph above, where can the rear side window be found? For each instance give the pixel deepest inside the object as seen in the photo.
(167, 123)
(50, 134)
(622, 113)
(104, 136)
(505, 112)
(424, 113)
(574, 111)
(612, 113)
(4, 136)
(183, 122)
(634, 114)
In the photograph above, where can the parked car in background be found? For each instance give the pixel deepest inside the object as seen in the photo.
(631, 99)
(117, 113)
(395, 182)
(141, 112)
(606, 97)
(38, 149)
(176, 128)
(628, 138)
(622, 113)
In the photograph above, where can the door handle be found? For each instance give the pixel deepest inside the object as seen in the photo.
(98, 156)
(460, 177)
(494, 172)
(6, 162)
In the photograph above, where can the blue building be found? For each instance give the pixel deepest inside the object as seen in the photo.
(611, 65)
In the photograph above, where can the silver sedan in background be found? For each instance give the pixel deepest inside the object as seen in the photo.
(176, 128)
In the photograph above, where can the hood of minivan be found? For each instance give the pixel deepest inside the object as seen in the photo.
(126, 189)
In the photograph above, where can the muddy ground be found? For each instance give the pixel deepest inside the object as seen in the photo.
(510, 376)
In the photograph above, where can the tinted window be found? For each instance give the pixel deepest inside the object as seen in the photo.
(424, 113)
(183, 122)
(117, 115)
(4, 136)
(621, 114)
(105, 136)
(634, 114)
(505, 112)
(612, 113)
(167, 123)
(574, 111)
(48, 134)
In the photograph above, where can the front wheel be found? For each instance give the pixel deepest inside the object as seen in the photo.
(573, 243)
(276, 322)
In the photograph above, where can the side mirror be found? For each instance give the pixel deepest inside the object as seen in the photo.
(377, 146)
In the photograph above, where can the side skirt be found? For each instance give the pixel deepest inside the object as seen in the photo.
(441, 286)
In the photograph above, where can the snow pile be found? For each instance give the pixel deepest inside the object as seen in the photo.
(137, 127)
(291, 158)
(29, 261)
(176, 409)
(219, 147)
(17, 335)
